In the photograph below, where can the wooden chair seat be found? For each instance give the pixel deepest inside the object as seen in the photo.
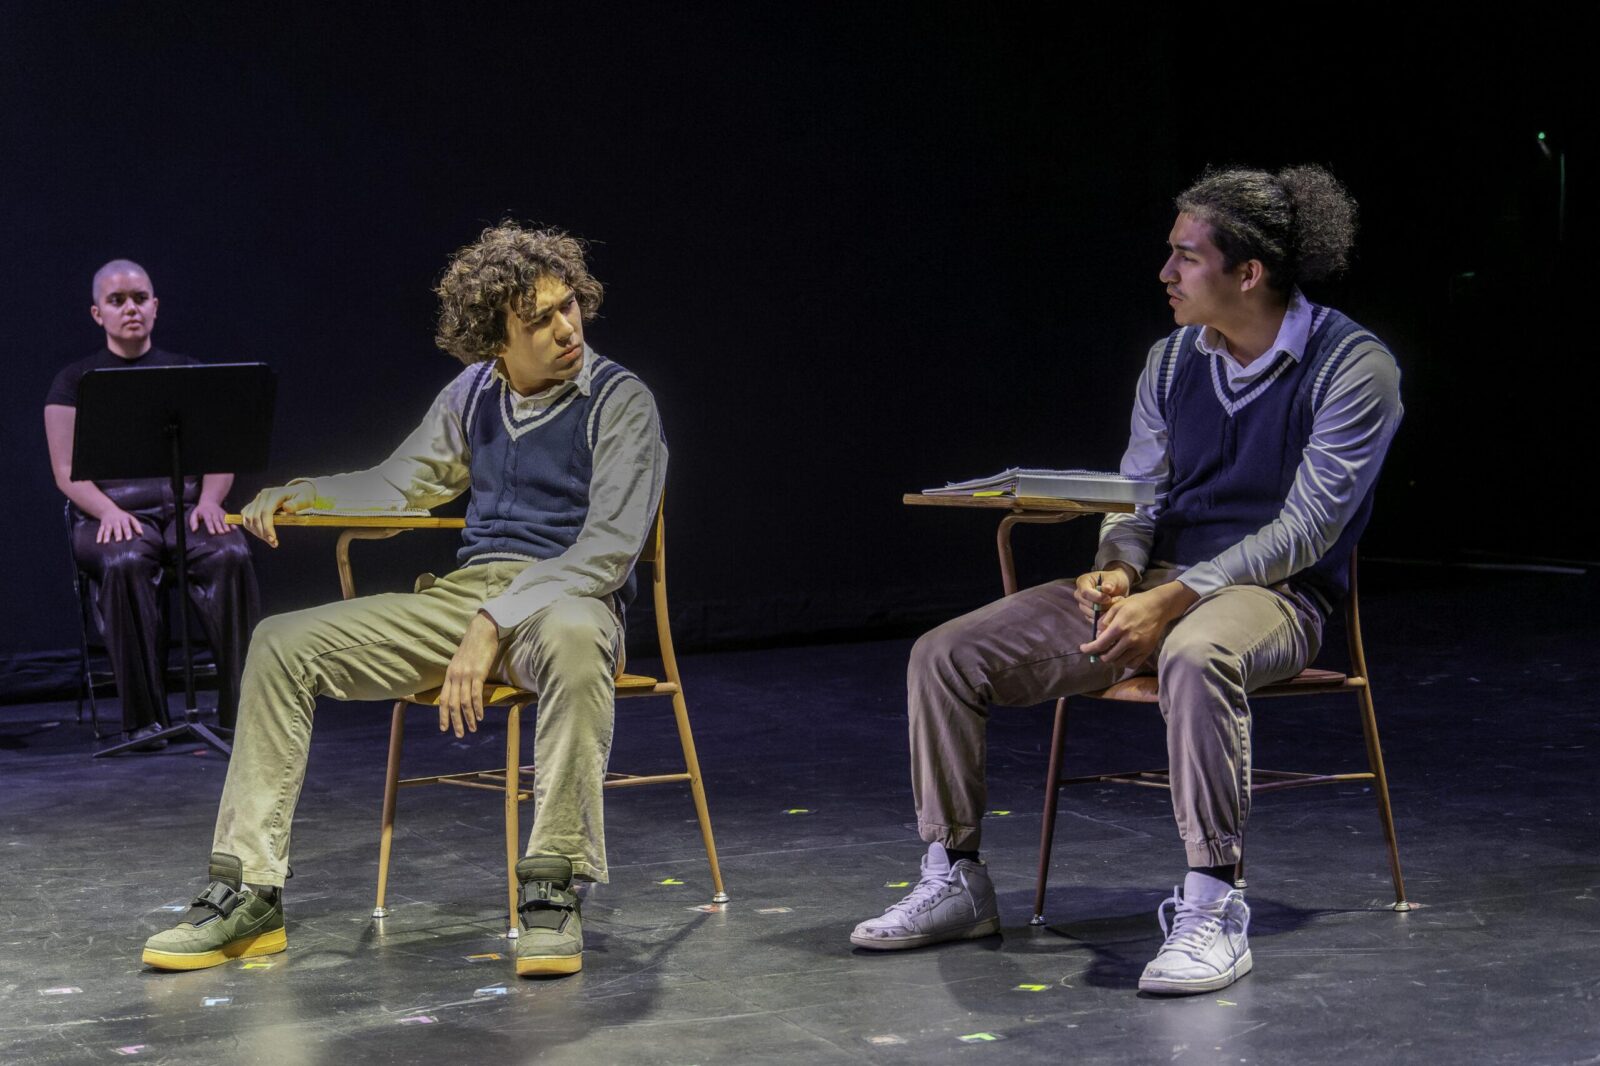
(1143, 689)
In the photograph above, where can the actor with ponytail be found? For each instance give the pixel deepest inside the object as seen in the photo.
(1265, 417)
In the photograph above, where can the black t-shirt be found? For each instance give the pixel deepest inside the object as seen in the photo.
(64, 390)
(134, 494)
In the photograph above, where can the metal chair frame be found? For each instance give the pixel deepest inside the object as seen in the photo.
(515, 780)
(1311, 682)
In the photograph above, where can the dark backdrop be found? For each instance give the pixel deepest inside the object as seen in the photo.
(853, 253)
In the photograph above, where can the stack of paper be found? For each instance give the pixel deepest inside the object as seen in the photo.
(1091, 486)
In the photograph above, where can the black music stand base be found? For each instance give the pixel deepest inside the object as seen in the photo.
(191, 726)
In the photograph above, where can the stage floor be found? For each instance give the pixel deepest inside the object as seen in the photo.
(1485, 688)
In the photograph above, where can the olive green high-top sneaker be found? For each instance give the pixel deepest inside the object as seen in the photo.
(226, 921)
(550, 929)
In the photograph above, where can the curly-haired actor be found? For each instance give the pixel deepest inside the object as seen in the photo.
(562, 453)
(1265, 418)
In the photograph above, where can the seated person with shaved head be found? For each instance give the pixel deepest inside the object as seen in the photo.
(124, 531)
(561, 452)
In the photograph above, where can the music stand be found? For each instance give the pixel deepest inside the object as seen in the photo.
(168, 421)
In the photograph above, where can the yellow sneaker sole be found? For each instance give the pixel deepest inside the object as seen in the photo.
(248, 947)
(549, 965)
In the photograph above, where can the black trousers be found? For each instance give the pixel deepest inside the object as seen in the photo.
(125, 590)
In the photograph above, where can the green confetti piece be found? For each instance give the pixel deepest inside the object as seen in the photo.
(897, 884)
(1032, 988)
(978, 1038)
(1226, 1003)
(670, 881)
(999, 814)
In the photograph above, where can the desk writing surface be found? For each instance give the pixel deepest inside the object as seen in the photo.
(1015, 503)
(333, 521)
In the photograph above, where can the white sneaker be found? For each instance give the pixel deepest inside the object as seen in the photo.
(949, 903)
(1208, 944)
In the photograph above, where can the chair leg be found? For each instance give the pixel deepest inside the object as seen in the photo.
(513, 829)
(391, 787)
(1052, 798)
(1380, 781)
(680, 711)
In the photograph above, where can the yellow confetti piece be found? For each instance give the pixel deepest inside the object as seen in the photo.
(1226, 1003)
(897, 884)
(1032, 988)
(256, 966)
(978, 1038)
(999, 814)
(798, 810)
(669, 881)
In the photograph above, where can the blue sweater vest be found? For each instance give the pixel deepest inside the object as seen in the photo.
(1234, 454)
(530, 478)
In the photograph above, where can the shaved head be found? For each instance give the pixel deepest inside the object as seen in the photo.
(116, 266)
(125, 307)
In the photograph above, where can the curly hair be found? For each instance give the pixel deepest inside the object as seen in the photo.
(498, 273)
(1300, 222)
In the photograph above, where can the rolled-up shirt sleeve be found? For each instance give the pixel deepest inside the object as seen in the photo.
(1126, 538)
(1350, 435)
(630, 469)
(430, 467)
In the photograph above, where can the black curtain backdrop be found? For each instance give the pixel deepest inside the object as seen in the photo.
(853, 252)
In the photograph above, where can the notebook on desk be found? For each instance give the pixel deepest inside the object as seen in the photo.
(1090, 486)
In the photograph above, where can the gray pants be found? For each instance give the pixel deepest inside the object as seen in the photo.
(382, 647)
(1023, 650)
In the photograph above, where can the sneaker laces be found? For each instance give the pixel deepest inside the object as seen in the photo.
(927, 891)
(1194, 926)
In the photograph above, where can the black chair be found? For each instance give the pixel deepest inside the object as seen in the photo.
(91, 642)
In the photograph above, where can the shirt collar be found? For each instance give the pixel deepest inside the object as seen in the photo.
(584, 382)
(1294, 335)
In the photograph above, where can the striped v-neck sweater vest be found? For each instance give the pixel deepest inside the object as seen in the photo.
(530, 476)
(1233, 454)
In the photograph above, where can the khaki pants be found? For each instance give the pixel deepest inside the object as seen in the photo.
(1023, 650)
(382, 647)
